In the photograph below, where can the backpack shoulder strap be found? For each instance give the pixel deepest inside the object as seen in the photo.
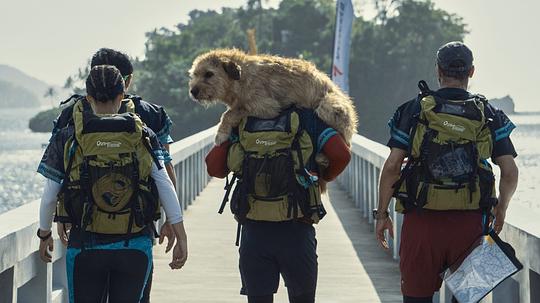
(66, 115)
(71, 155)
(416, 108)
(146, 143)
(74, 97)
(487, 109)
(128, 106)
(424, 88)
(136, 99)
(301, 121)
(482, 100)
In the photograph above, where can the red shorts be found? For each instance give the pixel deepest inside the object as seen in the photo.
(431, 241)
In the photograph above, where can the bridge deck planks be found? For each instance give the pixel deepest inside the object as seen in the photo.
(349, 260)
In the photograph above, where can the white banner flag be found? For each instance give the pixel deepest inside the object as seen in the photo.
(342, 44)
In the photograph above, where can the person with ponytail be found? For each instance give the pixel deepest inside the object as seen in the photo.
(108, 168)
(153, 115)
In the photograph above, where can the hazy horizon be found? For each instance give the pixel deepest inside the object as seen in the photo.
(52, 40)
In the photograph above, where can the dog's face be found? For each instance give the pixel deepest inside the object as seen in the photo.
(211, 79)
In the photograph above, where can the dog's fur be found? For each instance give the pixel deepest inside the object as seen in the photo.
(263, 85)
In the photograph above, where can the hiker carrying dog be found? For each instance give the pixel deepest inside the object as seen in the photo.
(446, 189)
(107, 170)
(276, 198)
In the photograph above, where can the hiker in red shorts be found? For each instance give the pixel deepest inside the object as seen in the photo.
(446, 189)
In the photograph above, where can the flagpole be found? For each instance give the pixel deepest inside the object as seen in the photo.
(334, 39)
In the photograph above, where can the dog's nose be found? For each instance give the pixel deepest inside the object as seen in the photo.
(195, 92)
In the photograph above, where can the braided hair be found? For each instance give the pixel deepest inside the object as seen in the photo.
(104, 83)
(107, 56)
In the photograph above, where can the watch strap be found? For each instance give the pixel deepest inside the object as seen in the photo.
(43, 238)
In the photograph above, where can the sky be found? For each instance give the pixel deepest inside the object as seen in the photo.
(51, 39)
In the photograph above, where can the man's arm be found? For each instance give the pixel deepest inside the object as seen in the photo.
(507, 188)
(166, 230)
(389, 176)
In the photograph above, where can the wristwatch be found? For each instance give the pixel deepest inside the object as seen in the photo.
(377, 215)
(43, 238)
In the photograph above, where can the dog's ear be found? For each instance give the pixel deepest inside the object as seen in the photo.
(232, 69)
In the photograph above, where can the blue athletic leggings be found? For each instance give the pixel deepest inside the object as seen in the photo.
(122, 270)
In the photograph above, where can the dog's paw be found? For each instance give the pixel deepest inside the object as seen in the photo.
(221, 138)
(322, 160)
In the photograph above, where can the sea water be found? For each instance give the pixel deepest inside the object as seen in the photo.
(21, 150)
(526, 140)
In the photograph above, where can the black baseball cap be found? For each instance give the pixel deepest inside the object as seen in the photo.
(455, 57)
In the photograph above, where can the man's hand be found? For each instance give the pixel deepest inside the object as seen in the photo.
(389, 176)
(167, 232)
(500, 214)
(180, 254)
(62, 229)
(380, 227)
(45, 246)
(180, 251)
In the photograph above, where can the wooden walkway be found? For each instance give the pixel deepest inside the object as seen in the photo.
(352, 268)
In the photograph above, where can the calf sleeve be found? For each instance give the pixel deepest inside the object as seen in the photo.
(417, 300)
(308, 297)
(261, 299)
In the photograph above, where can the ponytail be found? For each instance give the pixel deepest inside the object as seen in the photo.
(104, 83)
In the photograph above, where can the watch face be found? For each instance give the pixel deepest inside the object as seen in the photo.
(376, 214)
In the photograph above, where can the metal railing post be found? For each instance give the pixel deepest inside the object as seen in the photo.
(8, 286)
(39, 288)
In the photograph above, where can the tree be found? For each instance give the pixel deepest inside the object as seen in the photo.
(388, 59)
(388, 54)
(51, 94)
(162, 75)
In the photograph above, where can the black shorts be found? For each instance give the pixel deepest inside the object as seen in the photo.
(269, 249)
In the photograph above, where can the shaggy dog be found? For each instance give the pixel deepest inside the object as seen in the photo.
(263, 85)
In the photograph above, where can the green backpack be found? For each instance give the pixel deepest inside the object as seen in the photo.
(447, 166)
(268, 161)
(108, 187)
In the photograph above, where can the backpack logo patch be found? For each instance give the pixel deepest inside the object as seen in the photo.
(265, 142)
(454, 127)
(109, 144)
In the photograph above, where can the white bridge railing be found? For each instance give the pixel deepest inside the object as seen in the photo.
(522, 228)
(24, 278)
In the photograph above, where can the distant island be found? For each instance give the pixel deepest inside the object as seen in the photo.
(15, 96)
(22, 90)
(505, 103)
